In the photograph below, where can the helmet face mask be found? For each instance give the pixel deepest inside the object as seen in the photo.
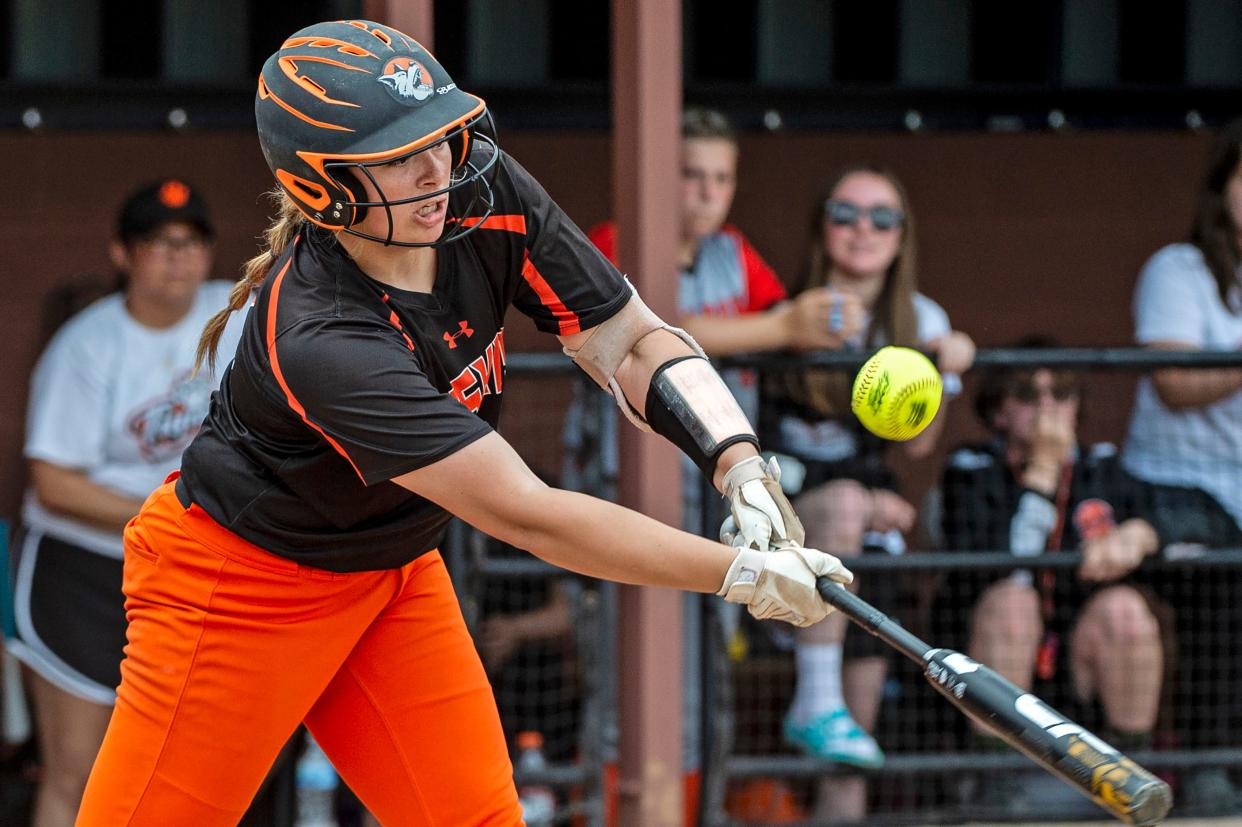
(467, 177)
(340, 98)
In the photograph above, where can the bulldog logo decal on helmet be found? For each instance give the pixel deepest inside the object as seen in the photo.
(407, 80)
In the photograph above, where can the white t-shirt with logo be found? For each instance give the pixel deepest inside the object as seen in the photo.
(1177, 300)
(116, 400)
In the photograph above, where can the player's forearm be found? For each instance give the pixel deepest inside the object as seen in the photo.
(653, 350)
(600, 539)
(635, 374)
(73, 494)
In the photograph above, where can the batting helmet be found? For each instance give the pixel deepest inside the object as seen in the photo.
(340, 97)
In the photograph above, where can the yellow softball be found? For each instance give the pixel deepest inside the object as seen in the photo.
(897, 393)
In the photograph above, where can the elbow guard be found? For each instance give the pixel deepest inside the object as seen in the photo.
(690, 405)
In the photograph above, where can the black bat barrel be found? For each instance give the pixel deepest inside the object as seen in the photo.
(1029, 725)
(1112, 780)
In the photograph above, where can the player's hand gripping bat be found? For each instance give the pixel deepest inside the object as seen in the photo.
(1109, 778)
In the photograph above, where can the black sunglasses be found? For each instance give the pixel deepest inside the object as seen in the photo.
(847, 214)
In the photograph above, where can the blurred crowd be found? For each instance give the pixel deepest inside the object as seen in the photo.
(1146, 656)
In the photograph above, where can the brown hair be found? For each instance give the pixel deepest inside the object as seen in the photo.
(697, 122)
(827, 392)
(1214, 231)
(288, 222)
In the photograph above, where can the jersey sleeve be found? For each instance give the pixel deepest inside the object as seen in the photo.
(763, 288)
(66, 422)
(365, 393)
(567, 284)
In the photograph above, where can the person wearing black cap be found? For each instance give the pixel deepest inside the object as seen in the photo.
(113, 402)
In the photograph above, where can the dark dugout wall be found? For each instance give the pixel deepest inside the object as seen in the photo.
(1018, 233)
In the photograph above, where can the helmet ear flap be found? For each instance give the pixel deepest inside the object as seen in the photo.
(349, 182)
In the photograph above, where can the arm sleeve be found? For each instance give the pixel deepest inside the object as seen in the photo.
(1166, 304)
(763, 288)
(386, 419)
(567, 285)
(1031, 524)
(67, 420)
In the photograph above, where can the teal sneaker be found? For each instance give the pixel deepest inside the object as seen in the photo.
(835, 736)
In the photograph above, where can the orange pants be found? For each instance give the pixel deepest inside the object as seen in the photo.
(231, 647)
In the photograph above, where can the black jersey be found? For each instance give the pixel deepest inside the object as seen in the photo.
(341, 383)
(984, 506)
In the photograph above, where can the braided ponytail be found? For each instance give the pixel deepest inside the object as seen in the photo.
(288, 223)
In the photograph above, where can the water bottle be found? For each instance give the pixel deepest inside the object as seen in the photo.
(538, 802)
(316, 781)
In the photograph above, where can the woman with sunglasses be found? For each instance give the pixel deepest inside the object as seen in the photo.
(862, 249)
(1089, 638)
(290, 572)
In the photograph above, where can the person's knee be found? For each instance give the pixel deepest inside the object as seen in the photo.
(1008, 612)
(838, 512)
(1123, 618)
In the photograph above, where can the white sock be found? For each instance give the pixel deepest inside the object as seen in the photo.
(818, 688)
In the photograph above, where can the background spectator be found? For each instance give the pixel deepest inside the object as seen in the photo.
(730, 301)
(113, 402)
(1185, 438)
(862, 257)
(728, 297)
(1088, 636)
(1186, 428)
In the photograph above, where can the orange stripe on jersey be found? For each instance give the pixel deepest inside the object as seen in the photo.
(566, 319)
(280, 377)
(508, 223)
(396, 322)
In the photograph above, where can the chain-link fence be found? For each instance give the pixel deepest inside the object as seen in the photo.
(1181, 641)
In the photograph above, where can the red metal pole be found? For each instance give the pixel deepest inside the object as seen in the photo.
(646, 95)
(414, 17)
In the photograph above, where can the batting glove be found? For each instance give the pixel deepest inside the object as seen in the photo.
(760, 514)
(780, 584)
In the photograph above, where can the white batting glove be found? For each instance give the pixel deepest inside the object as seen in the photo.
(761, 516)
(780, 584)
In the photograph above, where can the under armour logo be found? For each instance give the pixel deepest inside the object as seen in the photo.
(451, 338)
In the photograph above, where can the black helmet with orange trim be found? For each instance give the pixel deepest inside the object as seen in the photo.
(340, 97)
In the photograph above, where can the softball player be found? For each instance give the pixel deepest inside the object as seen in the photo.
(290, 573)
